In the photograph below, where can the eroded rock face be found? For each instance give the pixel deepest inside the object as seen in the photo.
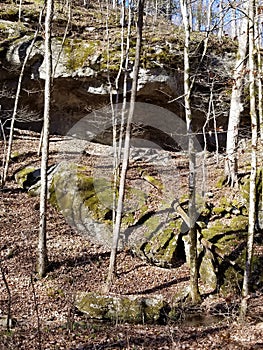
(81, 81)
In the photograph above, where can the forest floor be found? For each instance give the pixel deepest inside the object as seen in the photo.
(43, 309)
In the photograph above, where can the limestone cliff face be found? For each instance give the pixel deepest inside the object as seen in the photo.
(85, 73)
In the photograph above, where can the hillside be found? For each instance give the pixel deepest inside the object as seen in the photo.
(43, 310)
(152, 262)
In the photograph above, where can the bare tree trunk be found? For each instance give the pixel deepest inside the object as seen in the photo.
(258, 26)
(19, 10)
(42, 243)
(36, 307)
(13, 119)
(118, 151)
(253, 174)
(233, 20)
(221, 21)
(209, 15)
(194, 291)
(236, 105)
(69, 14)
(125, 162)
(123, 13)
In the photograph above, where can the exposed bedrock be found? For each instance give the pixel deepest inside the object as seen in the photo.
(81, 86)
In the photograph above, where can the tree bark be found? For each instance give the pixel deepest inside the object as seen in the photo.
(258, 35)
(253, 174)
(194, 290)
(42, 242)
(221, 21)
(233, 20)
(19, 10)
(236, 106)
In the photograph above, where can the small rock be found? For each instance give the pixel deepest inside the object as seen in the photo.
(259, 325)
(3, 321)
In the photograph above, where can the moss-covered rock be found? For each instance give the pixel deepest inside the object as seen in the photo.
(226, 238)
(226, 233)
(131, 309)
(221, 182)
(207, 269)
(208, 272)
(76, 194)
(12, 29)
(231, 277)
(159, 239)
(23, 176)
(159, 236)
(227, 207)
(221, 239)
(80, 53)
(245, 185)
(230, 280)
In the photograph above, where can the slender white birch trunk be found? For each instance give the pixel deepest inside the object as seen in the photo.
(125, 162)
(42, 242)
(253, 174)
(236, 106)
(194, 291)
(258, 26)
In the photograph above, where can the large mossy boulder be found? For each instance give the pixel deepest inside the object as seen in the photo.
(130, 309)
(245, 185)
(220, 245)
(83, 201)
(86, 203)
(226, 233)
(28, 178)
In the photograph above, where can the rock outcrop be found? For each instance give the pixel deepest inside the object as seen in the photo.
(83, 69)
(157, 236)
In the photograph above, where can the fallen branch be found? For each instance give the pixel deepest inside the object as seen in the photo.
(8, 319)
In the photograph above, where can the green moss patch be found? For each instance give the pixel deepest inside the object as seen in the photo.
(162, 244)
(21, 177)
(79, 53)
